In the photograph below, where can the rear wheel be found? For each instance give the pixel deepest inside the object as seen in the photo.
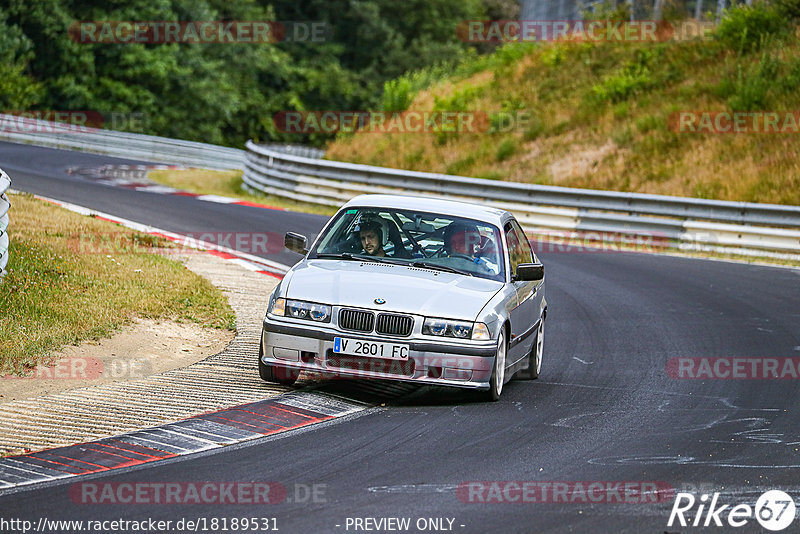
(535, 357)
(277, 375)
(499, 370)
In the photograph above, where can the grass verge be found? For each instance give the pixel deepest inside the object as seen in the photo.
(228, 184)
(73, 278)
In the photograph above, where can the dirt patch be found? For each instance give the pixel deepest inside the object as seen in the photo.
(145, 348)
(580, 162)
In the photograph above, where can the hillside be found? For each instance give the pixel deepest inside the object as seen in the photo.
(606, 115)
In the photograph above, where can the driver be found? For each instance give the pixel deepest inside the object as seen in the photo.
(372, 238)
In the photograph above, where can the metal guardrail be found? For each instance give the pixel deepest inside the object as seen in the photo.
(119, 144)
(299, 173)
(698, 222)
(5, 205)
(294, 150)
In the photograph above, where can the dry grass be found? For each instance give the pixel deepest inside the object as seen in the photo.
(228, 184)
(73, 278)
(625, 145)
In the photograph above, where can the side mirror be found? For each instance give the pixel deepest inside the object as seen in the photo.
(296, 243)
(529, 272)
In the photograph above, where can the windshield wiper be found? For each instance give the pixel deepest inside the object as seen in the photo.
(438, 267)
(336, 255)
(354, 257)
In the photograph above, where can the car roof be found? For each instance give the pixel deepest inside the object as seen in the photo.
(468, 210)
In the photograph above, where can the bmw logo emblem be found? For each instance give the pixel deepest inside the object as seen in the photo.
(380, 301)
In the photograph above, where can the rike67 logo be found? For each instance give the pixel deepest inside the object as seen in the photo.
(774, 510)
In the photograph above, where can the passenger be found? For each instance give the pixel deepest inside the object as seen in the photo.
(462, 240)
(465, 241)
(372, 238)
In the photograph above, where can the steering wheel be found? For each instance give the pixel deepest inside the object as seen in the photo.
(463, 257)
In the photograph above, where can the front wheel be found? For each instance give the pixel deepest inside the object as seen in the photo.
(277, 375)
(499, 370)
(535, 357)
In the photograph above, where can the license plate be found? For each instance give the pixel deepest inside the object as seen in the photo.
(376, 349)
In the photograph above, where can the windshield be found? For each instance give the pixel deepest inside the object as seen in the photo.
(420, 239)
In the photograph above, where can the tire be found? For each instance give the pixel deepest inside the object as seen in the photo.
(535, 357)
(276, 375)
(498, 370)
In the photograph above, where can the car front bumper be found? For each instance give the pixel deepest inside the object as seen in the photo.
(434, 362)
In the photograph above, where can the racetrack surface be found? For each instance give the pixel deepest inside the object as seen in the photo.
(605, 408)
(44, 171)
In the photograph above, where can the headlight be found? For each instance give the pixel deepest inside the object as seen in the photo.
(457, 329)
(434, 327)
(299, 309)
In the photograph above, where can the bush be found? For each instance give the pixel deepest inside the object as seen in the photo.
(459, 100)
(611, 11)
(748, 28)
(632, 78)
(537, 128)
(789, 8)
(506, 149)
(750, 91)
(397, 94)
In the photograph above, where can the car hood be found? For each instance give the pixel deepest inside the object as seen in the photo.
(405, 289)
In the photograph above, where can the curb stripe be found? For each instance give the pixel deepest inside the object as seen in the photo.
(130, 455)
(257, 205)
(202, 432)
(148, 452)
(49, 464)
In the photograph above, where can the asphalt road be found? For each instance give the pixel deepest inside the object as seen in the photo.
(605, 410)
(44, 171)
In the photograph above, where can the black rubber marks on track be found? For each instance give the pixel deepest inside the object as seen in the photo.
(203, 432)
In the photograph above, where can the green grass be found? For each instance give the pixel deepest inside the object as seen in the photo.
(73, 278)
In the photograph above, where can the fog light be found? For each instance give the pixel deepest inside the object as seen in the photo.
(451, 373)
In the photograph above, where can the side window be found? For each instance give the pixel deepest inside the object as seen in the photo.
(524, 243)
(516, 254)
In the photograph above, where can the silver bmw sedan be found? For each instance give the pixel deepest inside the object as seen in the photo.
(413, 289)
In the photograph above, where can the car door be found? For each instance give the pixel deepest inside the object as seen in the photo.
(524, 316)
